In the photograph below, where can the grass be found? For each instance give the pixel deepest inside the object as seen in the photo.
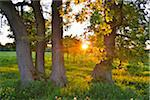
(127, 86)
(7, 58)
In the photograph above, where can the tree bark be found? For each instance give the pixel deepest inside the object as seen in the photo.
(103, 70)
(58, 76)
(40, 31)
(23, 51)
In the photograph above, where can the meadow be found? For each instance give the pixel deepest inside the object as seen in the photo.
(127, 84)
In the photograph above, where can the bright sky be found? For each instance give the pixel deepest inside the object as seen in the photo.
(4, 33)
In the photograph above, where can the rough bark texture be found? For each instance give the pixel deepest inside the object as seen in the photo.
(40, 31)
(22, 42)
(103, 70)
(58, 76)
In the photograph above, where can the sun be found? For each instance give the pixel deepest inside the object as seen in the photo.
(85, 46)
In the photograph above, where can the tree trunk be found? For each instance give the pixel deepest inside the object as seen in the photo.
(40, 31)
(103, 70)
(58, 76)
(23, 51)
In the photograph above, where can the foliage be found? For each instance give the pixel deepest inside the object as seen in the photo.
(128, 17)
(71, 44)
(8, 47)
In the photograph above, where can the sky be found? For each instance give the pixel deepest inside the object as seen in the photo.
(4, 33)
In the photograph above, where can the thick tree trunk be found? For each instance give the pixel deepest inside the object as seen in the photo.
(40, 31)
(58, 76)
(103, 70)
(23, 51)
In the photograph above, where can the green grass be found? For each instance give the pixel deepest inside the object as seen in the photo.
(126, 87)
(7, 58)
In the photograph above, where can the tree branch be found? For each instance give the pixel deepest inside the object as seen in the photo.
(22, 4)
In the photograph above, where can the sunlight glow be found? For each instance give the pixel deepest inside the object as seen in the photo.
(85, 46)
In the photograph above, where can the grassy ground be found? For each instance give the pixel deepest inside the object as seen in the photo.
(127, 86)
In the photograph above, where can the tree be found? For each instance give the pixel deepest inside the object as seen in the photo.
(120, 19)
(23, 51)
(9, 46)
(102, 70)
(112, 20)
(58, 76)
(72, 46)
(40, 31)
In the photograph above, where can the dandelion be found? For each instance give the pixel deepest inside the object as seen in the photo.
(87, 98)
(56, 97)
(131, 99)
(75, 98)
